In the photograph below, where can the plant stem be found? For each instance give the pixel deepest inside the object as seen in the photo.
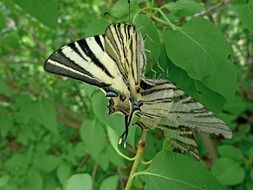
(216, 7)
(138, 158)
(165, 20)
(174, 27)
(160, 21)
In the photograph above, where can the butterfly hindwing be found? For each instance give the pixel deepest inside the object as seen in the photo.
(182, 139)
(113, 62)
(172, 106)
(168, 108)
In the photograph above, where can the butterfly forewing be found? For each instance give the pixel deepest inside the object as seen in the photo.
(86, 60)
(114, 62)
(124, 44)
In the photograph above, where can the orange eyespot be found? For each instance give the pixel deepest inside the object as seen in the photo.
(137, 88)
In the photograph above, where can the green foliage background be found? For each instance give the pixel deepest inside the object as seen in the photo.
(55, 133)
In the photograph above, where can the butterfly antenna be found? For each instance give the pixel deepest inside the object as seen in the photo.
(108, 14)
(128, 11)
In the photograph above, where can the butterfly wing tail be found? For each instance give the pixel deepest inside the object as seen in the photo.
(183, 140)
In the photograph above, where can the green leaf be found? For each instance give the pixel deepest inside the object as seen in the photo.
(223, 81)
(4, 88)
(152, 38)
(79, 182)
(96, 27)
(45, 11)
(4, 180)
(205, 55)
(246, 16)
(194, 88)
(90, 129)
(79, 149)
(197, 40)
(51, 183)
(228, 171)
(211, 99)
(239, 2)
(44, 112)
(17, 162)
(250, 153)
(89, 90)
(109, 183)
(63, 173)
(34, 180)
(9, 42)
(177, 171)
(113, 138)
(2, 21)
(249, 186)
(41, 111)
(120, 9)
(114, 157)
(230, 151)
(104, 160)
(6, 125)
(183, 8)
(116, 122)
(251, 174)
(99, 106)
(47, 163)
(236, 107)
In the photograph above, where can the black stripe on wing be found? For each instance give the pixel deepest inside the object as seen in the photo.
(61, 65)
(75, 49)
(98, 40)
(182, 139)
(180, 108)
(62, 62)
(115, 44)
(115, 48)
(61, 59)
(86, 49)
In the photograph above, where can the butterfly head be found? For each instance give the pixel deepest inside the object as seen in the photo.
(126, 104)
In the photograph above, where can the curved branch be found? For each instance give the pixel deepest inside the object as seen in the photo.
(138, 158)
(214, 8)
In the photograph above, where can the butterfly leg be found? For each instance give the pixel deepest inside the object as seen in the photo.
(124, 135)
(128, 118)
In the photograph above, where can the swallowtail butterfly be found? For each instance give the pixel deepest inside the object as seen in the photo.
(115, 63)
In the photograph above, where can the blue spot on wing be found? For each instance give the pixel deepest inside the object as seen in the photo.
(111, 94)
